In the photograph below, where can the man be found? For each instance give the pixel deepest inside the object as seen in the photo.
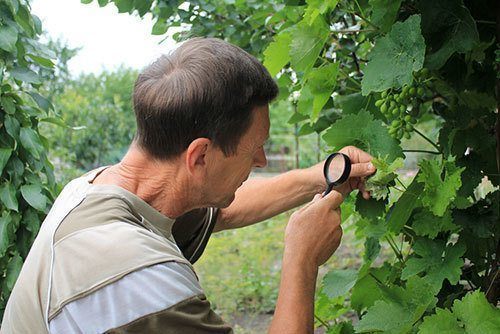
(107, 257)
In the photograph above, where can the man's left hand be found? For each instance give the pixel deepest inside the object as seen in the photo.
(361, 167)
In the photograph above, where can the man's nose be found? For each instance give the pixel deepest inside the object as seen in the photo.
(260, 159)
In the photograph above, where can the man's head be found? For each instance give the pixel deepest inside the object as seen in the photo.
(205, 88)
(206, 103)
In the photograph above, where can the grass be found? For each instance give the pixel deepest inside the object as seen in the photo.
(240, 270)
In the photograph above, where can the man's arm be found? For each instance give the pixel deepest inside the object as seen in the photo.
(261, 198)
(312, 235)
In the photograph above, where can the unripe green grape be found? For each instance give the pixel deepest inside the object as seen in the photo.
(402, 108)
(429, 84)
(420, 92)
(405, 90)
(395, 111)
(409, 127)
(407, 118)
(413, 120)
(383, 108)
(396, 123)
(378, 103)
(384, 94)
(425, 72)
(407, 135)
(393, 103)
(392, 131)
(412, 91)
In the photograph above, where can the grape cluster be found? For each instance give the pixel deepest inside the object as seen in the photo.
(401, 107)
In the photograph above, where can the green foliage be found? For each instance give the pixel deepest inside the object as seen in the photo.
(97, 113)
(385, 175)
(395, 57)
(472, 314)
(27, 184)
(399, 66)
(364, 132)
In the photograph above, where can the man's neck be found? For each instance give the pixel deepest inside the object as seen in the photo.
(157, 183)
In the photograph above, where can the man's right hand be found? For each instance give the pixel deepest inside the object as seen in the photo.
(312, 235)
(313, 232)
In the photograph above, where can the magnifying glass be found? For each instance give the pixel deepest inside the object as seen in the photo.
(336, 170)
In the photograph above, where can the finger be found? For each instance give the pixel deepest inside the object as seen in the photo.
(356, 155)
(362, 169)
(332, 199)
(317, 197)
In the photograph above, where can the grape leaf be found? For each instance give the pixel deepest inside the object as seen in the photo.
(339, 282)
(399, 309)
(439, 192)
(377, 184)
(366, 290)
(452, 22)
(363, 131)
(307, 42)
(425, 223)
(401, 210)
(384, 13)
(372, 249)
(438, 261)
(477, 314)
(321, 82)
(472, 314)
(318, 7)
(341, 328)
(394, 57)
(370, 208)
(277, 52)
(442, 322)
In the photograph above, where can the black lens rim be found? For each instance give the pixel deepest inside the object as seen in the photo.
(345, 174)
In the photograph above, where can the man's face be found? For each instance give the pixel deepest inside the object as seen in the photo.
(230, 172)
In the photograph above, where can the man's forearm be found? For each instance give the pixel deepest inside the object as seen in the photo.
(295, 306)
(261, 198)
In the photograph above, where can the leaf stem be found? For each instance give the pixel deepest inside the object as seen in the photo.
(491, 283)
(346, 76)
(394, 248)
(428, 140)
(376, 279)
(321, 321)
(422, 151)
(350, 31)
(401, 183)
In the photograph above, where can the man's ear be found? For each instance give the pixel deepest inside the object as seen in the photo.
(196, 154)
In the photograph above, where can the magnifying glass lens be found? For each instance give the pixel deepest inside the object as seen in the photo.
(336, 168)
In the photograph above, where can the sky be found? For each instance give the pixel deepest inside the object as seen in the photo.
(107, 38)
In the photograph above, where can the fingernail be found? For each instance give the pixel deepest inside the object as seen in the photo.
(370, 166)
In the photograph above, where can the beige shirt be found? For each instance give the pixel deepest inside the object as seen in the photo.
(106, 261)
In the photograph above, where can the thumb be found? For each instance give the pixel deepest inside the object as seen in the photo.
(332, 199)
(362, 169)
